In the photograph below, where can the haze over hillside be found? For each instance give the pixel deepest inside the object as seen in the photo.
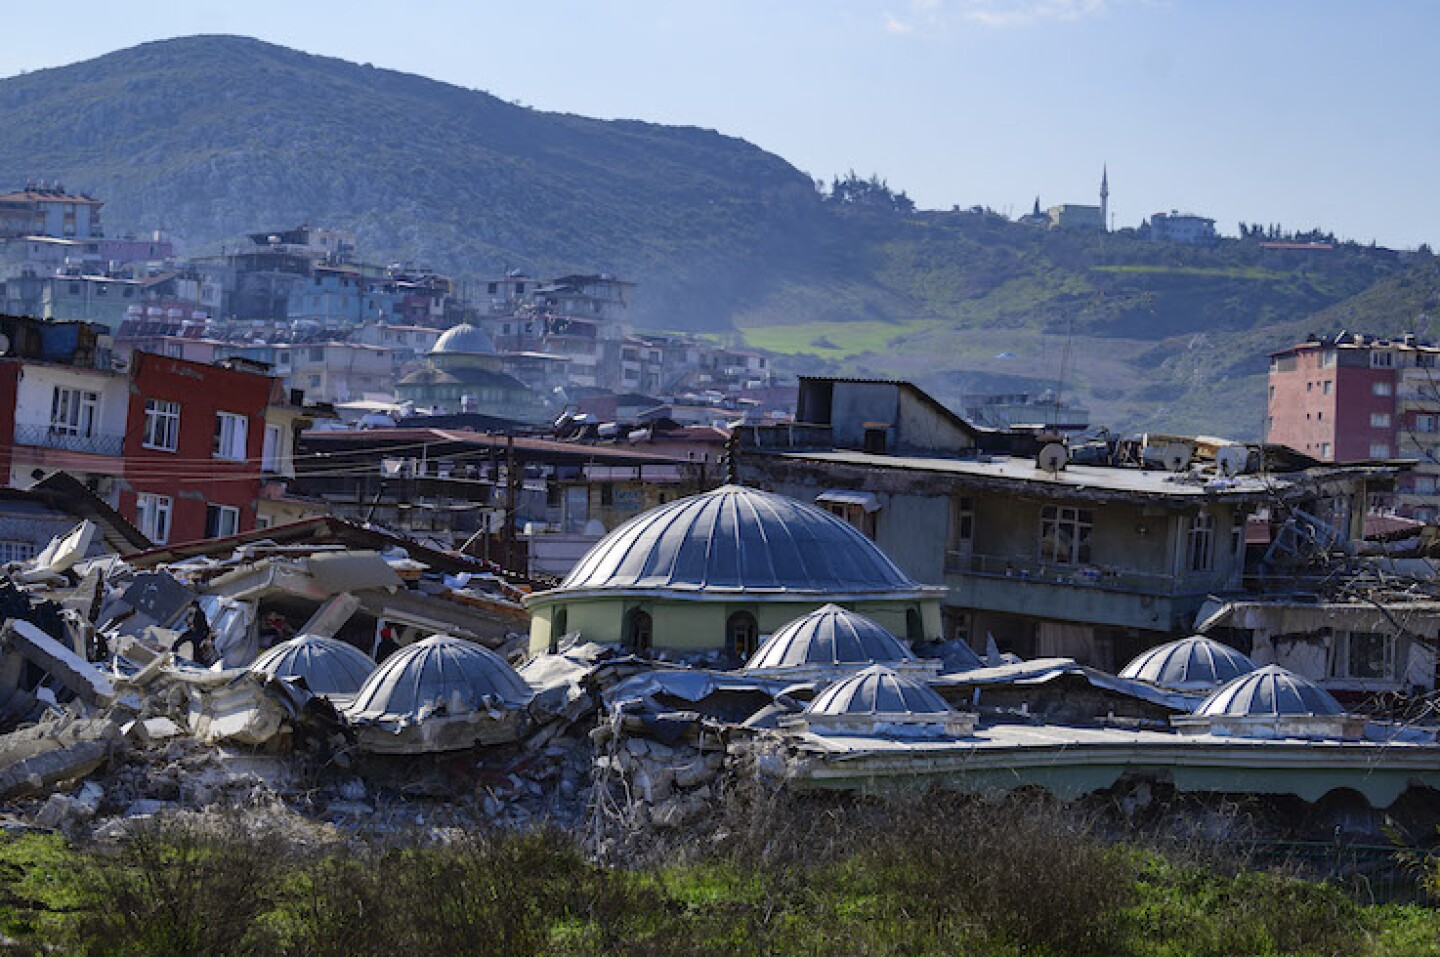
(212, 137)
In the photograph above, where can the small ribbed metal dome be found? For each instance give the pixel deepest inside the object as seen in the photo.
(329, 666)
(880, 692)
(1269, 691)
(829, 635)
(464, 338)
(738, 538)
(1191, 663)
(440, 670)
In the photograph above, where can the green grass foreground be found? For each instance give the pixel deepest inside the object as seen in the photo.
(1038, 887)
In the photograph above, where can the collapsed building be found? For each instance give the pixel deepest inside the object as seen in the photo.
(849, 684)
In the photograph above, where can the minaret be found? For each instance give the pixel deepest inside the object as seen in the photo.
(1104, 199)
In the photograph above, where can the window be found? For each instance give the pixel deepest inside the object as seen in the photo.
(316, 354)
(1200, 543)
(1309, 387)
(162, 426)
(639, 631)
(1065, 534)
(1379, 450)
(1324, 450)
(13, 551)
(1380, 420)
(152, 514)
(1364, 654)
(962, 529)
(875, 441)
(1424, 423)
(1326, 386)
(1272, 393)
(607, 494)
(742, 635)
(73, 412)
(221, 520)
(1381, 360)
(231, 432)
(270, 451)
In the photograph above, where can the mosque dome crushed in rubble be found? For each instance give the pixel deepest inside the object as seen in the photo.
(878, 696)
(439, 672)
(1272, 702)
(1194, 663)
(328, 665)
(464, 338)
(828, 639)
(715, 571)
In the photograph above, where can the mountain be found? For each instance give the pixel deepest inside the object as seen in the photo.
(212, 137)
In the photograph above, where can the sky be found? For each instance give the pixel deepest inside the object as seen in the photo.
(1305, 113)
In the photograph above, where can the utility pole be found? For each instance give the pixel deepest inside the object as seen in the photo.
(511, 495)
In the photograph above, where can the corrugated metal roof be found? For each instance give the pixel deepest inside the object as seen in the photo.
(829, 635)
(1268, 691)
(1190, 663)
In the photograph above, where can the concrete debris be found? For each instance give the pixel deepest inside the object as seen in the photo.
(126, 693)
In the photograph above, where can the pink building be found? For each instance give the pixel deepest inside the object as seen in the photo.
(1356, 398)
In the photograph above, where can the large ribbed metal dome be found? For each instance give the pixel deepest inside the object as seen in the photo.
(878, 691)
(829, 635)
(440, 670)
(1192, 663)
(738, 538)
(1269, 691)
(329, 666)
(464, 338)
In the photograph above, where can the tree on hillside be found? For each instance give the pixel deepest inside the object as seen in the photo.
(873, 193)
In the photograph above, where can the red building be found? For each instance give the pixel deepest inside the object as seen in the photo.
(193, 447)
(1334, 399)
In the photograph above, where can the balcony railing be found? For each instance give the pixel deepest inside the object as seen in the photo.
(1096, 576)
(52, 437)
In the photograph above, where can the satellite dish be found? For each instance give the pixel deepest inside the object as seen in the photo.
(1176, 457)
(1232, 460)
(1052, 457)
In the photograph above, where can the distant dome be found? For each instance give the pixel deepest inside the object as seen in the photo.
(829, 635)
(329, 666)
(736, 538)
(878, 691)
(1193, 663)
(465, 339)
(1270, 691)
(439, 672)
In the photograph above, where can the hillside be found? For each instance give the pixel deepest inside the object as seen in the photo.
(212, 137)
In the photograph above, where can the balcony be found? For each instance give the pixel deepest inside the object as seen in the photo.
(52, 437)
(1093, 594)
(1087, 576)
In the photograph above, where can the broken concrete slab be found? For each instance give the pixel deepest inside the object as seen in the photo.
(61, 555)
(42, 772)
(331, 616)
(85, 680)
(159, 597)
(242, 710)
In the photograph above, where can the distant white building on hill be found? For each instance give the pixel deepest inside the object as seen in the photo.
(1177, 227)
